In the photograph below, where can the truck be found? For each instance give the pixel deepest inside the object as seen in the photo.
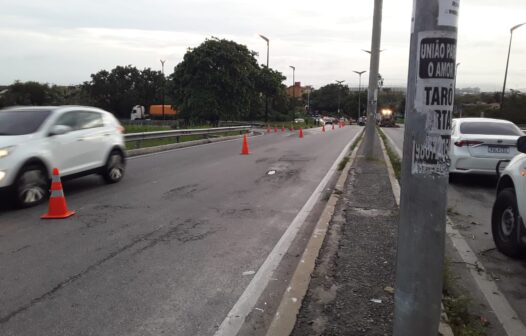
(386, 118)
(155, 112)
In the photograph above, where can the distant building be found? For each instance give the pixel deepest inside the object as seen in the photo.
(296, 90)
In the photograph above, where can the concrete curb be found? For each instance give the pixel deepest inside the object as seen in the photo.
(444, 328)
(285, 318)
(156, 149)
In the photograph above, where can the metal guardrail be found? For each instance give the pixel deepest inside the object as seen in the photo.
(183, 132)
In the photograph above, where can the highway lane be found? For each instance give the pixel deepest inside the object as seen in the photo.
(165, 250)
(470, 201)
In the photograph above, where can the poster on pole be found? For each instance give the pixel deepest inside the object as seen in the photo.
(434, 99)
(448, 12)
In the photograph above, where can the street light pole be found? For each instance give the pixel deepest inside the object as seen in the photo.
(293, 89)
(266, 96)
(360, 73)
(372, 92)
(162, 93)
(339, 94)
(268, 45)
(507, 64)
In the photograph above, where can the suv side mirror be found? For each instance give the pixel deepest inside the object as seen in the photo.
(59, 130)
(521, 144)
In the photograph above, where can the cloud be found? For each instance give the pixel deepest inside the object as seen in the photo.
(64, 42)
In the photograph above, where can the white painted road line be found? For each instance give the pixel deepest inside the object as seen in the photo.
(246, 302)
(497, 301)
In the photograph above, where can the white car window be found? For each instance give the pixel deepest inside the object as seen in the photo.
(488, 128)
(89, 120)
(69, 119)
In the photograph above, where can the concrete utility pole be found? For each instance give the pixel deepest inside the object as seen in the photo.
(360, 73)
(266, 97)
(372, 93)
(425, 168)
(162, 93)
(507, 64)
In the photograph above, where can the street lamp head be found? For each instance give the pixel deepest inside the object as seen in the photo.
(517, 26)
(162, 61)
(264, 37)
(292, 67)
(340, 82)
(368, 51)
(360, 72)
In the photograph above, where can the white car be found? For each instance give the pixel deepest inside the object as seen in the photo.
(509, 209)
(77, 140)
(477, 144)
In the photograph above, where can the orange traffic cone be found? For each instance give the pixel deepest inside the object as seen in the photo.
(290, 129)
(323, 128)
(301, 133)
(333, 127)
(275, 130)
(57, 202)
(268, 129)
(244, 150)
(283, 129)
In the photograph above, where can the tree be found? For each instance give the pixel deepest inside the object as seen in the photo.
(123, 87)
(221, 79)
(27, 93)
(325, 99)
(269, 83)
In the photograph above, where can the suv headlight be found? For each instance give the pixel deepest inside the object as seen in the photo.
(6, 151)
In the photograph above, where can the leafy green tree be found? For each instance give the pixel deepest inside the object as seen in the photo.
(27, 93)
(269, 83)
(123, 87)
(221, 80)
(325, 99)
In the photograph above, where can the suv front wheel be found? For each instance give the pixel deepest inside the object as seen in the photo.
(31, 186)
(113, 171)
(505, 224)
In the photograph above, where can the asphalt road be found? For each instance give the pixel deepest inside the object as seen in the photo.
(165, 250)
(470, 201)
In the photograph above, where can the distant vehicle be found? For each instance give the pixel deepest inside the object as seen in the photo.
(386, 118)
(77, 140)
(328, 121)
(362, 121)
(477, 144)
(138, 113)
(509, 210)
(299, 120)
(155, 112)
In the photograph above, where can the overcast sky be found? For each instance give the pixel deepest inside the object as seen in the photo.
(63, 42)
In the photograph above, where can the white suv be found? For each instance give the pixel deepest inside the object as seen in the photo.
(77, 140)
(509, 209)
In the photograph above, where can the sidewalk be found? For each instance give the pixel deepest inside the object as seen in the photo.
(350, 292)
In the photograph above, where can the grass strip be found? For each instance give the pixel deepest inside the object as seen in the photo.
(393, 157)
(172, 140)
(458, 307)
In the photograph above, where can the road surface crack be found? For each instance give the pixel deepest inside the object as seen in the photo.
(73, 278)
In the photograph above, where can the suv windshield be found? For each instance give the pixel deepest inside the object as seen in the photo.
(19, 122)
(489, 128)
